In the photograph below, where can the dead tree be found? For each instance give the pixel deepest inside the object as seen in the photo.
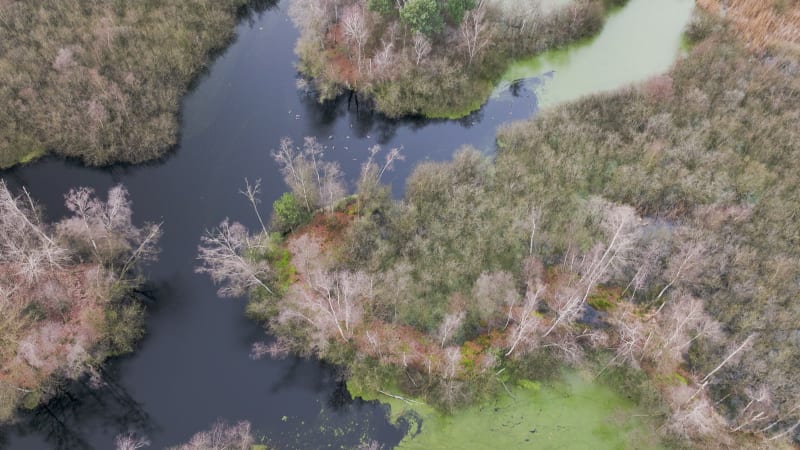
(473, 31)
(595, 266)
(525, 320)
(422, 47)
(222, 256)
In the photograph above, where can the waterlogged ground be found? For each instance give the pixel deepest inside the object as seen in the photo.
(572, 413)
(638, 41)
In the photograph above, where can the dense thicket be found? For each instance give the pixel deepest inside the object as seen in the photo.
(650, 229)
(101, 80)
(713, 144)
(65, 302)
(763, 23)
(430, 57)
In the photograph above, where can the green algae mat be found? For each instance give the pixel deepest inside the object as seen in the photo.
(640, 40)
(572, 413)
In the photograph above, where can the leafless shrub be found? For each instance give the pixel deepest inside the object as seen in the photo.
(130, 441)
(221, 436)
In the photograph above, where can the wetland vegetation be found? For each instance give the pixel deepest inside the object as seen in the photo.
(428, 57)
(620, 272)
(67, 292)
(663, 208)
(102, 80)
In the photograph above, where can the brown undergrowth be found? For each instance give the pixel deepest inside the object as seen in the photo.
(763, 22)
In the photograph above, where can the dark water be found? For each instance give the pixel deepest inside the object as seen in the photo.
(193, 367)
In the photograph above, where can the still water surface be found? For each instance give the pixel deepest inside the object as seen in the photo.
(193, 366)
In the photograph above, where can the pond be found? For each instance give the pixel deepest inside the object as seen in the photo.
(638, 41)
(193, 366)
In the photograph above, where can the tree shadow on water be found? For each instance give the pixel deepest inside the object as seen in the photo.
(64, 420)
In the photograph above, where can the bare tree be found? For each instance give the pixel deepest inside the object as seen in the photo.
(108, 231)
(130, 441)
(746, 343)
(54, 268)
(594, 267)
(758, 409)
(533, 217)
(296, 172)
(422, 47)
(222, 256)
(684, 321)
(354, 27)
(525, 320)
(370, 445)
(331, 188)
(685, 261)
(252, 192)
(633, 335)
(146, 248)
(648, 264)
(694, 418)
(221, 436)
(382, 64)
(520, 14)
(371, 172)
(315, 182)
(277, 349)
(450, 324)
(333, 300)
(452, 360)
(24, 241)
(306, 253)
(397, 286)
(314, 18)
(474, 31)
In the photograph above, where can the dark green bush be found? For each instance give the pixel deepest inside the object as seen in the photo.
(288, 214)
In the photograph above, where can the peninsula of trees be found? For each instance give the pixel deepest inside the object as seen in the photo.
(66, 292)
(648, 234)
(437, 58)
(102, 80)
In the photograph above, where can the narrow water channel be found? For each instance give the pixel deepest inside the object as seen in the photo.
(193, 366)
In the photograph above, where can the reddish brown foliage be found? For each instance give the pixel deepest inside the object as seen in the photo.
(342, 67)
(67, 311)
(763, 22)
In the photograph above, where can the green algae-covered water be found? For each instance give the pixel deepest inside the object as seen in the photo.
(573, 413)
(640, 40)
